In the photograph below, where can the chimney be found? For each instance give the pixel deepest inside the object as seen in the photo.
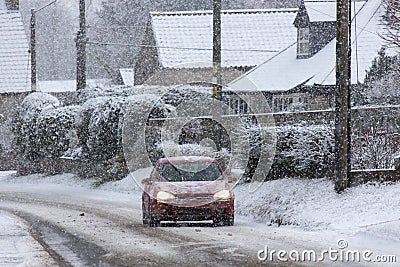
(12, 4)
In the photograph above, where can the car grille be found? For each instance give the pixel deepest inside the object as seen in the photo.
(196, 197)
(194, 211)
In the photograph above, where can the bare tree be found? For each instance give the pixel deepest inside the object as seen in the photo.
(391, 20)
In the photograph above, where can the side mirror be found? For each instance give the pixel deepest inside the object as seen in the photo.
(146, 181)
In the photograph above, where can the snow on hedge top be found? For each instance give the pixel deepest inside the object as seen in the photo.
(34, 103)
(14, 55)
(39, 100)
(285, 71)
(249, 37)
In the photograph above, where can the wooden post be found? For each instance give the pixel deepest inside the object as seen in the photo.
(342, 95)
(81, 48)
(33, 51)
(217, 77)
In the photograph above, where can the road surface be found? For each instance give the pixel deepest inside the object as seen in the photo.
(78, 226)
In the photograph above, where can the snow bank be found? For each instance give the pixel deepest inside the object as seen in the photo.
(60, 179)
(314, 205)
(130, 184)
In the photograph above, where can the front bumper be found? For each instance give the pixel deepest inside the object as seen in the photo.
(211, 211)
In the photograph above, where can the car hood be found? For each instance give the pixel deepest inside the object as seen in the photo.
(192, 188)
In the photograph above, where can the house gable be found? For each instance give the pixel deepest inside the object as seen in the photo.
(315, 25)
(147, 62)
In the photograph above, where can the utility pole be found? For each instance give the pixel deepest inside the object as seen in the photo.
(342, 95)
(33, 45)
(81, 48)
(217, 77)
(33, 51)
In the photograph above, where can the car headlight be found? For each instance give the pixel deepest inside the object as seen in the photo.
(224, 194)
(164, 196)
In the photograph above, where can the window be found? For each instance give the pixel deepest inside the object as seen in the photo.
(303, 42)
(275, 104)
(243, 107)
(189, 171)
(236, 106)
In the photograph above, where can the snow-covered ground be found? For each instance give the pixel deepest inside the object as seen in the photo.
(364, 218)
(17, 247)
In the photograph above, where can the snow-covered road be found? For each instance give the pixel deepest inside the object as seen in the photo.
(17, 246)
(83, 226)
(112, 221)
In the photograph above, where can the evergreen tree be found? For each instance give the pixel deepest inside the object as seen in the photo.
(382, 66)
(381, 84)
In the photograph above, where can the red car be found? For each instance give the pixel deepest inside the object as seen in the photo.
(187, 189)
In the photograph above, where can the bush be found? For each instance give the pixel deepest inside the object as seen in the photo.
(104, 137)
(373, 150)
(53, 130)
(305, 151)
(24, 123)
(82, 120)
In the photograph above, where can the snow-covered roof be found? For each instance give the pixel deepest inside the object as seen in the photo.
(325, 10)
(285, 71)
(321, 10)
(249, 37)
(14, 55)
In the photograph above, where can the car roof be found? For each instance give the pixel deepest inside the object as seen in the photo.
(186, 159)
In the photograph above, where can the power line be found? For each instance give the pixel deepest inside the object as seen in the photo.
(43, 7)
(183, 48)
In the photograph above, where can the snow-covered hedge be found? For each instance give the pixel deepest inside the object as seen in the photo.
(54, 131)
(82, 120)
(304, 151)
(104, 139)
(374, 150)
(24, 123)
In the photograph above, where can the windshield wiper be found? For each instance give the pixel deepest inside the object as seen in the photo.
(178, 171)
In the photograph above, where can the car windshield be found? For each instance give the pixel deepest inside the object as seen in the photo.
(189, 171)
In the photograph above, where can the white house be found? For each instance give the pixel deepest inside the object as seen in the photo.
(300, 76)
